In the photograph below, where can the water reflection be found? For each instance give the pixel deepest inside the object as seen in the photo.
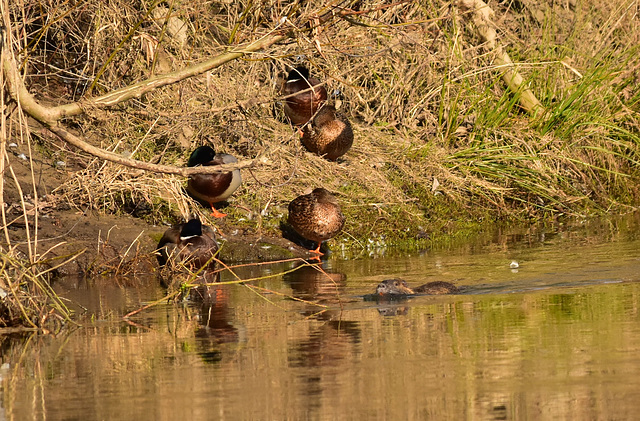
(390, 308)
(200, 290)
(559, 339)
(319, 287)
(331, 341)
(215, 323)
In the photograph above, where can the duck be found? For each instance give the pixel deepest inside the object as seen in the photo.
(329, 134)
(316, 216)
(190, 243)
(212, 188)
(306, 97)
(399, 287)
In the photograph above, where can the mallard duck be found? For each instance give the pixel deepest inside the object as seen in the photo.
(191, 243)
(299, 108)
(400, 287)
(316, 216)
(330, 134)
(212, 188)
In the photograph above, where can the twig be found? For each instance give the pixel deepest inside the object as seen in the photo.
(155, 303)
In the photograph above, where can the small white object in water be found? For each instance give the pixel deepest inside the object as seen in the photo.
(13, 145)
(61, 164)
(22, 156)
(514, 265)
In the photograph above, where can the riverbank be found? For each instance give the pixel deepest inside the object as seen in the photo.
(444, 143)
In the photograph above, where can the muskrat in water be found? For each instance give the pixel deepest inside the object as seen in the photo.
(399, 287)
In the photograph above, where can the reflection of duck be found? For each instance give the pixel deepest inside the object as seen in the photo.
(212, 188)
(321, 289)
(330, 135)
(300, 107)
(399, 287)
(316, 216)
(214, 316)
(312, 283)
(191, 243)
(328, 344)
(215, 325)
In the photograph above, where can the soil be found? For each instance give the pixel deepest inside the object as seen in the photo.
(105, 241)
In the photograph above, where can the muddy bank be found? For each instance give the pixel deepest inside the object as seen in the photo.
(104, 242)
(101, 241)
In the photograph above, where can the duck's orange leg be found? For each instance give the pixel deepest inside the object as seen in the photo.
(317, 252)
(216, 213)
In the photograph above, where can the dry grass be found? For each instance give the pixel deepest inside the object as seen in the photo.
(438, 136)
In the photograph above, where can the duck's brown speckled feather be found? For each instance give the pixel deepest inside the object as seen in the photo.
(330, 135)
(316, 216)
(299, 108)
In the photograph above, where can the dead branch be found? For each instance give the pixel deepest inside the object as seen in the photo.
(146, 166)
(138, 89)
(50, 116)
(482, 17)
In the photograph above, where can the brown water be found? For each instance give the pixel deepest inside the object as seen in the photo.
(558, 338)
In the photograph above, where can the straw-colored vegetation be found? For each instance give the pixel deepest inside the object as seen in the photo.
(448, 131)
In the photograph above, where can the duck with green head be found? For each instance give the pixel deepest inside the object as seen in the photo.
(304, 96)
(190, 243)
(316, 216)
(212, 188)
(329, 135)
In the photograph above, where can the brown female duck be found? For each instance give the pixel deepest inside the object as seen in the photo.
(306, 97)
(191, 243)
(399, 287)
(316, 216)
(329, 135)
(212, 188)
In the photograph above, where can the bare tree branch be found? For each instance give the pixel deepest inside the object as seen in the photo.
(138, 89)
(49, 116)
(482, 16)
(146, 166)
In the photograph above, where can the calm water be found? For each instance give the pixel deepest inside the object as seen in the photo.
(558, 338)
